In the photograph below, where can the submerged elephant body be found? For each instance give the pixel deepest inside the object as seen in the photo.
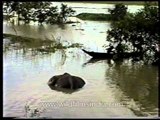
(66, 81)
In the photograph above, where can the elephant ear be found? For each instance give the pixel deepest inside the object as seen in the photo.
(79, 82)
(54, 79)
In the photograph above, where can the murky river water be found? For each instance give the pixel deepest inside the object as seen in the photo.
(112, 89)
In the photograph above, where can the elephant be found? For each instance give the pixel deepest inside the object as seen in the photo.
(66, 81)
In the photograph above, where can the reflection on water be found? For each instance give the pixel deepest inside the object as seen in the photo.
(139, 83)
(64, 90)
(117, 89)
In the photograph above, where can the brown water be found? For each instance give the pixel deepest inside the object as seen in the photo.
(112, 89)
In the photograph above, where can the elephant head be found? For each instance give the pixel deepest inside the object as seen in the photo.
(66, 81)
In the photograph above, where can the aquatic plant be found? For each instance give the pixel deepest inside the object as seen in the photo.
(40, 45)
(31, 112)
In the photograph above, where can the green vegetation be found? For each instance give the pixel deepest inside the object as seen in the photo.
(37, 11)
(16, 38)
(116, 14)
(119, 12)
(138, 33)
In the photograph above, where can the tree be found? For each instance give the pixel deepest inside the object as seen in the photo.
(139, 33)
(65, 12)
(118, 12)
(34, 10)
(52, 15)
(7, 7)
(28, 10)
(38, 11)
(12, 8)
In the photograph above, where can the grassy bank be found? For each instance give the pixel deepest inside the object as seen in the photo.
(94, 16)
(15, 38)
(40, 45)
(114, 2)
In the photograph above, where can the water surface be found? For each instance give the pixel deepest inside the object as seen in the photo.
(126, 90)
(112, 89)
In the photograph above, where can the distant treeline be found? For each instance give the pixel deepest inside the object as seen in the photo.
(155, 3)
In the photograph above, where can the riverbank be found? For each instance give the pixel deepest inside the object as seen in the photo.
(40, 45)
(94, 16)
